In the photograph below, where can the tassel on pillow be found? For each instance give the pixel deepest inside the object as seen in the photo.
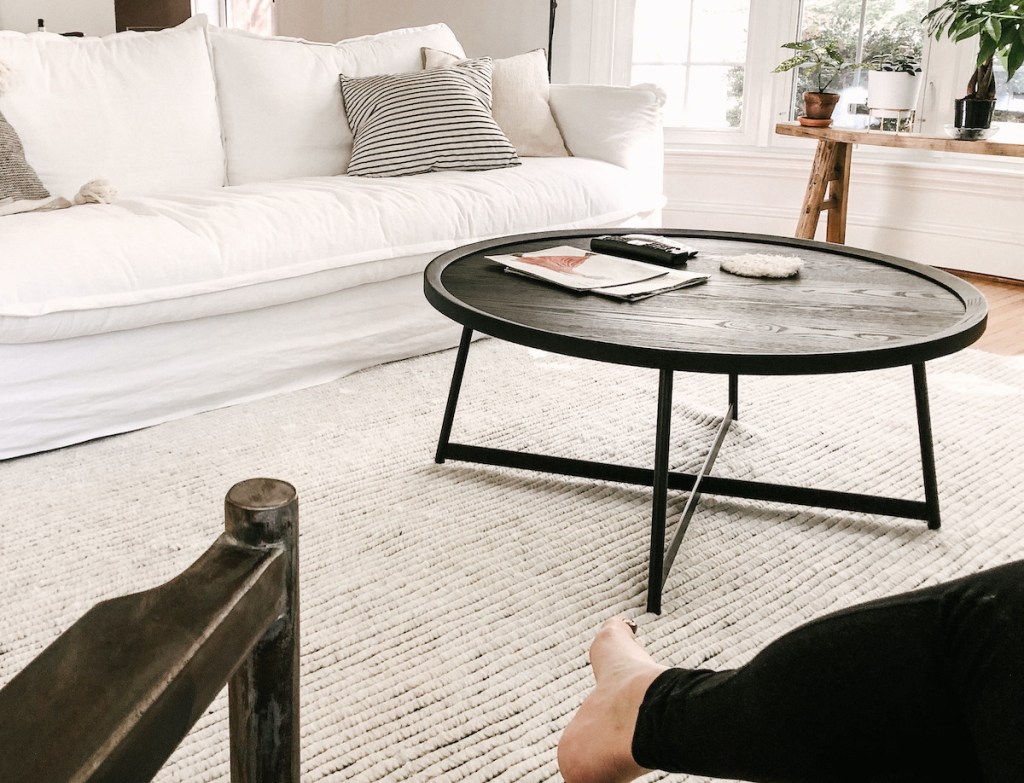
(97, 191)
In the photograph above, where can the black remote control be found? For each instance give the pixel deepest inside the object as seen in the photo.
(644, 247)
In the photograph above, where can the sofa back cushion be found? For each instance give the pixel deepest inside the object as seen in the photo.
(138, 109)
(520, 101)
(293, 124)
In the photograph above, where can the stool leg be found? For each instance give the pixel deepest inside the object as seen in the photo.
(839, 191)
(817, 184)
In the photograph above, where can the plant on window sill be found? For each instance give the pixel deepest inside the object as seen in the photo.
(824, 59)
(999, 25)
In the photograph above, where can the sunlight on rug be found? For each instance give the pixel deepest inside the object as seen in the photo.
(447, 609)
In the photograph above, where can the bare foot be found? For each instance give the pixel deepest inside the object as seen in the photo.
(596, 746)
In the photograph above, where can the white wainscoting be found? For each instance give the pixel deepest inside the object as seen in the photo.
(937, 212)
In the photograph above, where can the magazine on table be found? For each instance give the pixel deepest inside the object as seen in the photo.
(597, 273)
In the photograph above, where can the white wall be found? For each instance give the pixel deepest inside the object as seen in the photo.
(484, 27)
(92, 17)
(301, 18)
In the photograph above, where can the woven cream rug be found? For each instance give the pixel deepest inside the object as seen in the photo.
(447, 609)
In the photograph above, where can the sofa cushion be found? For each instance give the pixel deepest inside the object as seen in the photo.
(294, 125)
(103, 268)
(138, 109)
(519, 100)
(437, 120)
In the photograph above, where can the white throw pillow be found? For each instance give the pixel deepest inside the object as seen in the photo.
(138, 109)
(436, 120)
(280, 104)
(520, 101)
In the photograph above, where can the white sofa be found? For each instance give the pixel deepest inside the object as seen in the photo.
(238, 261)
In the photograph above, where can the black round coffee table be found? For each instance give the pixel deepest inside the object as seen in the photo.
(848, 310)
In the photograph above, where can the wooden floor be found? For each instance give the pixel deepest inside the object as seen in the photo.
(1005, 332)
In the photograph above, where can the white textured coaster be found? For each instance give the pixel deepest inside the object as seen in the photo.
(762, 265)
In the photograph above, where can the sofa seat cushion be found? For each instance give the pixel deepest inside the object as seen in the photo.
(102, 268)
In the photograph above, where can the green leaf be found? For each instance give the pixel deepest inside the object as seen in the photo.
(1014, 58)
(804, 46)
(1009, 36)
(987, 48)
(969, 30)
(792, 62)
(995, 29)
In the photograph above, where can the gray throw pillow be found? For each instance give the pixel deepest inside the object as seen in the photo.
(18, 181)
(413, 123)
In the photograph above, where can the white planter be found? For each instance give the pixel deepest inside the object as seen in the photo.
(893, 90)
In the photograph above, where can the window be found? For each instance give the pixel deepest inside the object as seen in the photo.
(867, 30)
(256, 16)
(696, 51)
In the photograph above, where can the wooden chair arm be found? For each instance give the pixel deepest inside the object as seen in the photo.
(116, 693)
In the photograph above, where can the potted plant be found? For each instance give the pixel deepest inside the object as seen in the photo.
(894, 83)
(999, 25)
(824, 59)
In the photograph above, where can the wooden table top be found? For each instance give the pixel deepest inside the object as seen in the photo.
(847, 310)
(915, 141)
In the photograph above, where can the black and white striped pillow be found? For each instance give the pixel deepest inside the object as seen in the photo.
(437, 120)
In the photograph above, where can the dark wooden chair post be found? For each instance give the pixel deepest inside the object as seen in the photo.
(264, 691)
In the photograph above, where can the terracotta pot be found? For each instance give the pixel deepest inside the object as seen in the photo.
(819, 105)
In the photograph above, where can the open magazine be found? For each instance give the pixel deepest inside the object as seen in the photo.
(597, 273)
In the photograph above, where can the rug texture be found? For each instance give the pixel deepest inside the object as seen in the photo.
(447, 609)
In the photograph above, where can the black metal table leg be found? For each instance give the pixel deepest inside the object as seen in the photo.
(924, 431)
(734, 395)
(695, 491)
(660, 487)
(453, 394)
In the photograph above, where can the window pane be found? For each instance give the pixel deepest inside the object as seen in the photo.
(1009, 96)
(720, 31)
(889, 27)
(698, 96)
(256, 16)
(695, 50)
(661, 31)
